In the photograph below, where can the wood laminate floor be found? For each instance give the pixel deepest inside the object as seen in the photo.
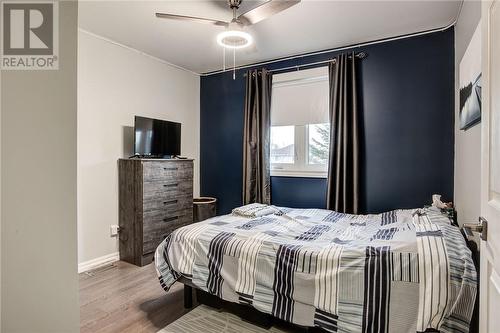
(126, 298)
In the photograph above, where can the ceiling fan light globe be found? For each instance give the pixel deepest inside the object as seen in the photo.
(234, 39)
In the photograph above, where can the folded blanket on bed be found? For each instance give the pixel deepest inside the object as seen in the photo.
(256, 210)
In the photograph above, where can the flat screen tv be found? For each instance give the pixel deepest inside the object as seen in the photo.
(157, 138)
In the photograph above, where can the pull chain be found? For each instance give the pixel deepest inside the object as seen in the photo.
(234, 64)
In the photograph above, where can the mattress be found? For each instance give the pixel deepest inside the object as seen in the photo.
(399, 271)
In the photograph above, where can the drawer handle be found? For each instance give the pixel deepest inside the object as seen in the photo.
(169, 219)
(170, 202)
(170, 185)
(171, 169)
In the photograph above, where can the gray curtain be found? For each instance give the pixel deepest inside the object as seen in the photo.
(256, 140)
(343, 165)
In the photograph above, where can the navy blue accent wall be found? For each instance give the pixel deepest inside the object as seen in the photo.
(407, 126)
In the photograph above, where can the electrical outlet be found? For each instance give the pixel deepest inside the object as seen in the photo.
(114, 230)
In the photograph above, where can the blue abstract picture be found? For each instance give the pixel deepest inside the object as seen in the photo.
(470, 104)
(470, 83)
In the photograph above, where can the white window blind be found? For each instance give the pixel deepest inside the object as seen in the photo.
(300, 98)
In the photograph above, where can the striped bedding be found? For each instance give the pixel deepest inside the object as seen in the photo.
(400, 271)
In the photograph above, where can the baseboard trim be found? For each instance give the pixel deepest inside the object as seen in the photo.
(98, 262)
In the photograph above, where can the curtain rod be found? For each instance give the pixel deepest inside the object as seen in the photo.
(360, 55)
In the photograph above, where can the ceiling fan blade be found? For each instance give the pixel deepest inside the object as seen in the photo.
(265, 10)
(192, 18)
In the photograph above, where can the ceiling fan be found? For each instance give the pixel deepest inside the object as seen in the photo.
(234, 37)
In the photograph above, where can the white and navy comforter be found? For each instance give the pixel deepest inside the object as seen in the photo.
(400, 271)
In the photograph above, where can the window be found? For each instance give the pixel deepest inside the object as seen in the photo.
(282, 144)
(318, 143)
(300, 130)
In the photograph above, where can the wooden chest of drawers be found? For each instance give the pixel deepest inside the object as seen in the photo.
(156, 197)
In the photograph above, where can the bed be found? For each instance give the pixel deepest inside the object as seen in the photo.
(399, 271)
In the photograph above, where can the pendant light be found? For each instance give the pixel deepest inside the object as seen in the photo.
(233, 38)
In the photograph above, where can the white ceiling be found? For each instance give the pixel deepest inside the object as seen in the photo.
(308, 26)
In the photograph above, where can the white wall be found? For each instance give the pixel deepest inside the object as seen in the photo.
(467, 143)
(38, 192)
(114, 84)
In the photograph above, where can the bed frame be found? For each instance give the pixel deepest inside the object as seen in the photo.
(245, 312)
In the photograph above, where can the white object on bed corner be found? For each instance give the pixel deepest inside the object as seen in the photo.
(436, 201)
